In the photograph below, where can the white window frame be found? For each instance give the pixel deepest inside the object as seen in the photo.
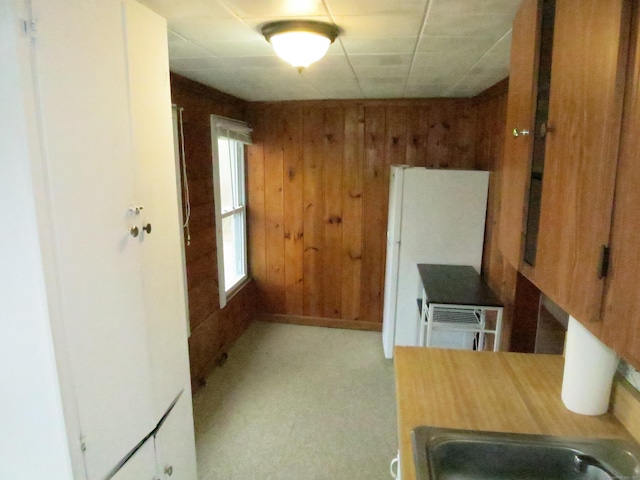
(240, 133)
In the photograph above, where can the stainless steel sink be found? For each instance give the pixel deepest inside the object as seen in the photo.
(449, 454)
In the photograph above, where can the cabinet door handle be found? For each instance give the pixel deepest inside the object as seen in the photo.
(605, 257)
(545, 129)
(168, 470)
(517, 133)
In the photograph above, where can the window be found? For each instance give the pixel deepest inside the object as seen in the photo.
(228, 140)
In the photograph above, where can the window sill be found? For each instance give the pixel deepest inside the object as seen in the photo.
(236, 288)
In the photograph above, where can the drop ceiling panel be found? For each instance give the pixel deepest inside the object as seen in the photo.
(174, 10)
(376, 7)
(455, 45)
(425, 90)
(330, 75)
(502, 46)
(382, 90)
(206, 31)
(379, 26)
(474, 7)
(193, 64)
(384, 45)
(391, 60)
(275, 8)
(386, 49)
(466, 25)
(252, 48)
(182, 48)
(370, 73)
(430, 64)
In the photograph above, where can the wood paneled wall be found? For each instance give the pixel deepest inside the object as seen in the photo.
(213, 330)
(318, 182)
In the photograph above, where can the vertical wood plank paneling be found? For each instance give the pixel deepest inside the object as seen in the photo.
(462, 151)
(293, 211)
(394, 154)
(417, 136)
(274, 214)
(395, 150)
(313, 211)
(352, 211)
(439, 140)
(341, 192)
(396, 136)
(333, 146)
(373, 215)
(256, 208)
(213, 330)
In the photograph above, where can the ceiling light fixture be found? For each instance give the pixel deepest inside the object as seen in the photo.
(300, 42)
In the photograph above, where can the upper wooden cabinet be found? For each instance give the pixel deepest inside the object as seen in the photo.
(621, 313)
(585, 111)
(520, 115)
(582, 137)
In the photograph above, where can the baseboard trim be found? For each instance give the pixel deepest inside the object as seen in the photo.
(320, 322)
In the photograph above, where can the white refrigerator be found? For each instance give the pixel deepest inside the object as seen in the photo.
(438, 217)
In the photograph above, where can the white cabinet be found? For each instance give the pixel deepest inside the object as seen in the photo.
(169, 454)
(156, 189)
(81, 82)
(174, 442)
(141, 466)
(96, 139)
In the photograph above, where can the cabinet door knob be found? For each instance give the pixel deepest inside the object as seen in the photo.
(168, 470)
(133, 231)
(147, 228)
(517, 133)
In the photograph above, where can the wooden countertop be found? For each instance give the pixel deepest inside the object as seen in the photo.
(501, 392)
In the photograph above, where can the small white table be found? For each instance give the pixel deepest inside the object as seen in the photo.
(456, 298)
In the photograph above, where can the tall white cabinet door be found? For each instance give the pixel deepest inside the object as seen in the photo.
(156, 187)
(141, 466)
(175, 446)
(84, 113)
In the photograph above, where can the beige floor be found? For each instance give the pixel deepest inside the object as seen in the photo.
(295, 402)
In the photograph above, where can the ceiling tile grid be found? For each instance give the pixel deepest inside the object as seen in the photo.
(386, 48)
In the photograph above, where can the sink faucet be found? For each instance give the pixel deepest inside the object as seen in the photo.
(583, 462)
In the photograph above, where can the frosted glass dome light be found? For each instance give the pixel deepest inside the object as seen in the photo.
(300, 42)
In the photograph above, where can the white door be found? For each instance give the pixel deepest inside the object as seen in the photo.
(156, 189)
(85, 124)
(175, 447)
(141, 466)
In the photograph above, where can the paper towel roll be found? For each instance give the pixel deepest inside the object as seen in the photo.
(589, 366)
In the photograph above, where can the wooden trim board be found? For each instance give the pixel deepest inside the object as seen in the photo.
(320, 322)
(625, 406)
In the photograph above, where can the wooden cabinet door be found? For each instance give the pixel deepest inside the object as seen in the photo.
(621, 313)
(587, 82)
(516, 163)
